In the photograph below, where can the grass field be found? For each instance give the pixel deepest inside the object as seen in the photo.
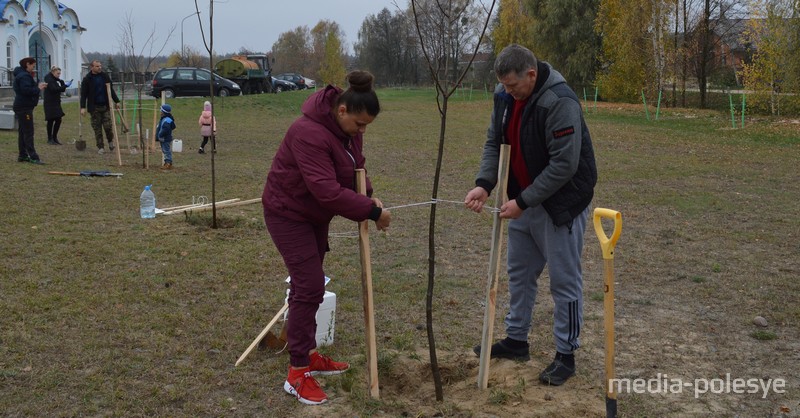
(106, 314)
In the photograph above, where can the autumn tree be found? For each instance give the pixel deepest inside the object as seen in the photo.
(332, 69)
(772, 30)
(623, 29)
(292, 51)
(513, 25)
(320, 35)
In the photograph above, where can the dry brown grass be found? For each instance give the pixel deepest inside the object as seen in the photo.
(104, 313)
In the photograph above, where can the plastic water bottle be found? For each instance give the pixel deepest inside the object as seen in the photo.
(147, 203)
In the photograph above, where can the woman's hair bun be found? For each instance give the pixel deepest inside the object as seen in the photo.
(360, 81)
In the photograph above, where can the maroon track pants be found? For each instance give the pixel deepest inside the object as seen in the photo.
(302, 246)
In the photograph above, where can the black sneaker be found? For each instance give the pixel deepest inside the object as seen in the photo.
(111, 146)
(37, 162)
(23, 159)
(201, 151)
(501, 349)
(556, 373)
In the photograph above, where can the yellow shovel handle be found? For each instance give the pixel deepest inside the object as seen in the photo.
(607, 244)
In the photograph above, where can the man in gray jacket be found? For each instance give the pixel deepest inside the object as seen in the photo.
(551, 184)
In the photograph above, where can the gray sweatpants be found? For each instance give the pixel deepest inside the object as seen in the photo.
(533, 242)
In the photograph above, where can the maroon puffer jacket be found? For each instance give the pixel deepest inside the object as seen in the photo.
(312, 177)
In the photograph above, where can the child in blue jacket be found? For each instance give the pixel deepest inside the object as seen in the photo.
(164, 134)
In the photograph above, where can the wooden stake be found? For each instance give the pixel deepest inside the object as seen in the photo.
(262, 334)
(366, 286)
(494, 268)
(111, 109)
(209, 206)
(156, 111)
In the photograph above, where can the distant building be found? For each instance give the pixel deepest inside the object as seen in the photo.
(44, 29)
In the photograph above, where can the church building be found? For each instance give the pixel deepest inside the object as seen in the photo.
(43, 29)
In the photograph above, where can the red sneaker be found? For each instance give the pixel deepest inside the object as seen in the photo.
(323, 365)
(304, 387)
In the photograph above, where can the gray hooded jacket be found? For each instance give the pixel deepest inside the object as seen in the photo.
(555, 144)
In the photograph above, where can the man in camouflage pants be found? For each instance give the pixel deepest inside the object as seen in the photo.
(95, 98)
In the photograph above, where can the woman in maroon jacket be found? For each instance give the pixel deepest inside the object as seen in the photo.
(312, 179)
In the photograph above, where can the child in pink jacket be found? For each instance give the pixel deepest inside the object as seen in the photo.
(207, 123)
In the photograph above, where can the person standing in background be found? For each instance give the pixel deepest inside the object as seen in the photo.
(164, 134)
(95, 99)
(208, 124)
(27, 92)
(52, 103)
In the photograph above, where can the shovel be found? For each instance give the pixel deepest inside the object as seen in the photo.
(262, 334)
(607, 245)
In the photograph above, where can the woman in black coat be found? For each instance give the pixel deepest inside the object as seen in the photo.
(52, 103)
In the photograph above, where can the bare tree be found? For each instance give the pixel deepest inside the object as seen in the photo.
(138, 61)
(715, 22)
(210, 49)
(442, 27)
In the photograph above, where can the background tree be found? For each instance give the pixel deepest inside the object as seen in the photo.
(139, 60)
(563, 33)
(292, 51)
(513, 25)
(715, 22)
(320, 36)
(111, 68)
(622, 25)
(387, 47)
(190, 58)
(772, 29)
(332, 70)
(440, 27)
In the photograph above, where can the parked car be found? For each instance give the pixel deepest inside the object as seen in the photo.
(310, 84)
(282, 85)
(191, 81)
(295, 78)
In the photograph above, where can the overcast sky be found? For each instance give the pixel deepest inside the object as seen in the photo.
(252, 24)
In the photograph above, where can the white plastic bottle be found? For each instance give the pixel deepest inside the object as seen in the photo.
(147, 203)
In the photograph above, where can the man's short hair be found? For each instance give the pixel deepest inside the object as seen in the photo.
(27, 60)
(515, 59)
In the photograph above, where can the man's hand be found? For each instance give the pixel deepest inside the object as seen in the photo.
(116, 105)
(475, 199)
(377, 202)
(83, 111)
(510, 210)
(383, 222)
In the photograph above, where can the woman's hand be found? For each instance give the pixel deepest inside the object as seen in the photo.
(383, 222)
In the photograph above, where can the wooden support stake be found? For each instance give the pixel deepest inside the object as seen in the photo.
(111, 106)
(262, 334)
(207, 207)
(494, 268)
(366, 286)
(156, 112)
